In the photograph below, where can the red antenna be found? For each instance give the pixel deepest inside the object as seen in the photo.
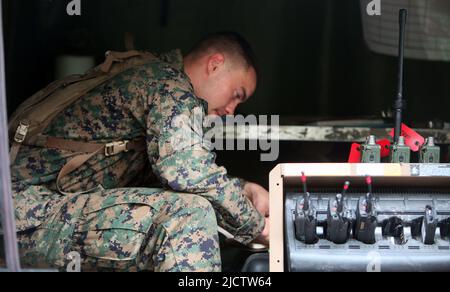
(305, 188)
(369, 183)
(346, 186)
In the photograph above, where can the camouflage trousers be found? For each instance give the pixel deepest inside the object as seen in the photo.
(133, 229)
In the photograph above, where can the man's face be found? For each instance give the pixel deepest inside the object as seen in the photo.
(225, 85)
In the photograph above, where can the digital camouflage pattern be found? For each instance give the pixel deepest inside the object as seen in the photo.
(122, 223)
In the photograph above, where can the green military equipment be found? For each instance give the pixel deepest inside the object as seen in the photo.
(400, 152)
(370, 151)
(429, 152)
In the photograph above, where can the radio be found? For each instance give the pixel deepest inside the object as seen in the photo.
(399, 213)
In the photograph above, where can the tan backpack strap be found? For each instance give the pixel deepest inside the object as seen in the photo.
(91, 149)
(13, 152)
(72, 165)
(73, 146)
(112, 57)
(19, 138)
(110, 149)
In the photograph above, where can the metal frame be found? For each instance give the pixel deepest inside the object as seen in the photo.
(6, 202)
(336, 133)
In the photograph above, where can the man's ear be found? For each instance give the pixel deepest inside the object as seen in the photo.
(215, 62)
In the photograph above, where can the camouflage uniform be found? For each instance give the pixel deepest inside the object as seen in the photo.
(121, 223)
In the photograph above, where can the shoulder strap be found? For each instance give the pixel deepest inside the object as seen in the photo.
(86, 151)
(34, 115)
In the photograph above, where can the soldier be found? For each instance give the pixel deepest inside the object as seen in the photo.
(104, 210)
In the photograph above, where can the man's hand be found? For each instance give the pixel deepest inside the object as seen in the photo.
(263, 238)
(259, 197)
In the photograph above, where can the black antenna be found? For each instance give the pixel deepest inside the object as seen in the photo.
(340, 198)
(399, 102)
(369, 194)
(305, 192)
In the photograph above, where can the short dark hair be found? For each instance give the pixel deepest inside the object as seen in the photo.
(227, 42)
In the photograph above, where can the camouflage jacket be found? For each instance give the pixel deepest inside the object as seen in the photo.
(143, 102)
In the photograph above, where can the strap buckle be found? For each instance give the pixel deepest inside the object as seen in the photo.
(21, 132)
(115, 148)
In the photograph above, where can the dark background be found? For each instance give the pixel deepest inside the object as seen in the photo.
(312, 52)
(312, 55)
